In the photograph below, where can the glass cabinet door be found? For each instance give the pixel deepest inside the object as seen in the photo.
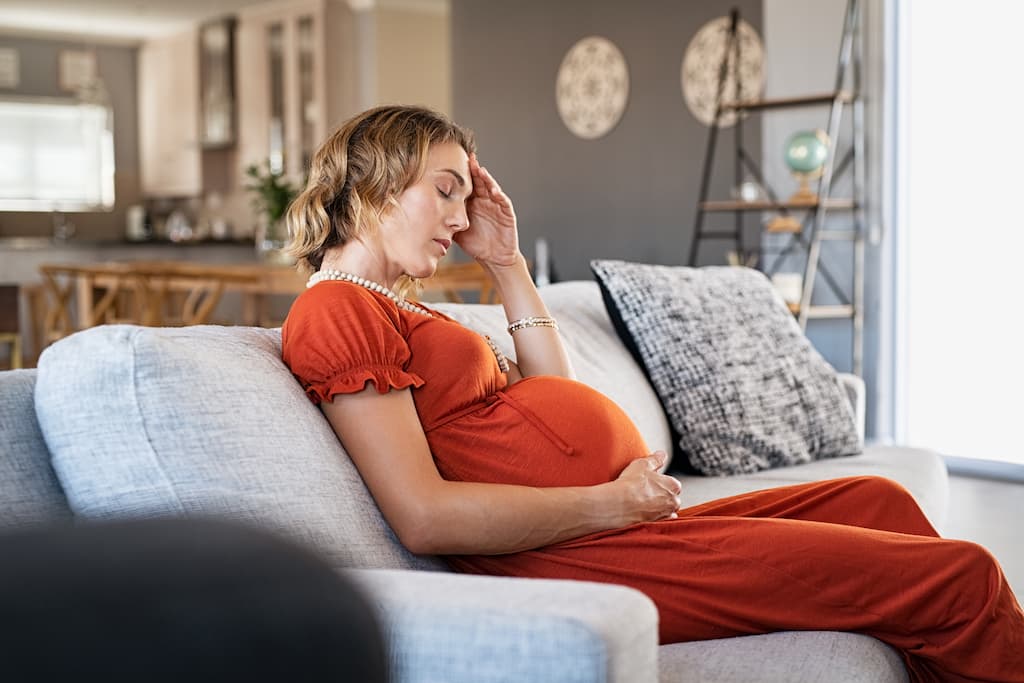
(217, 88)
(275, 55)
(306, 47)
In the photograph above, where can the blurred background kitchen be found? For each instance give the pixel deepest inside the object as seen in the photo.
(175, 132)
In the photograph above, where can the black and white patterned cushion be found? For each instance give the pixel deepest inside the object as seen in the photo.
(742, 386)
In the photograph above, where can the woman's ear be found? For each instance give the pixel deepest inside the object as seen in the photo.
(384, 211)
(390, 203)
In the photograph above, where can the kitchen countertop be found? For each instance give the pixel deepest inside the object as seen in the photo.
(25, 243)
(20, 257)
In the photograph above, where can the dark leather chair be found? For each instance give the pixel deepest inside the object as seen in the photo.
(178, 600)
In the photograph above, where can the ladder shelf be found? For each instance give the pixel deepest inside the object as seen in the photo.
(806, 235)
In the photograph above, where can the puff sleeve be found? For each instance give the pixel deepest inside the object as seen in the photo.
(339, 337)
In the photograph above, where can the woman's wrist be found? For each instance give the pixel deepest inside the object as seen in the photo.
(507, 277)
(501, 270)
(612, 501)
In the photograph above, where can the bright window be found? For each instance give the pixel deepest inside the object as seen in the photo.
(55, 156)
(960, 228)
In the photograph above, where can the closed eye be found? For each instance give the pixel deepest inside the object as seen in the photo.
(450, 179)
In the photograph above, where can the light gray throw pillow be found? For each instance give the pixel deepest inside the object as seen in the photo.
(204, 421)
(741, 385)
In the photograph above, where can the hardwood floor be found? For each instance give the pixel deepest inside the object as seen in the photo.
(990, 513)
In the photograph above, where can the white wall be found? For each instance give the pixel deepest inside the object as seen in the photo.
(801, 40)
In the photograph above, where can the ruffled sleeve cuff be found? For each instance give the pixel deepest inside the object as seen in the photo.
(384, 378)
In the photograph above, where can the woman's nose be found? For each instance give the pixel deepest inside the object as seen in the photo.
(459, 220)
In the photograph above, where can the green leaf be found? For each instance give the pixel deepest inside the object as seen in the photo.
(272, 192)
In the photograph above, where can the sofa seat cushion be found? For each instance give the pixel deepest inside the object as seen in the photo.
(204, 421)
(921, 472)
(785, 657)
(29, 491)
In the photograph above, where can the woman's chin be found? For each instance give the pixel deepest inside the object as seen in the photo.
(422, 272)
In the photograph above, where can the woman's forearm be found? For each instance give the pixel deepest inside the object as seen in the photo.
(493, 519)
(539, 350)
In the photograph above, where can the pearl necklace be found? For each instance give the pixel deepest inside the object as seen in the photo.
(329, 274)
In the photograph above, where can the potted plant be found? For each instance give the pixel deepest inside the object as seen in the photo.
(272, 193)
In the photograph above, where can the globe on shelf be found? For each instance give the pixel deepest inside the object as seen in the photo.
(805, 154)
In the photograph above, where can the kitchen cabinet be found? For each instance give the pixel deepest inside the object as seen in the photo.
(168, 92)
(297, 79)
(300, 68)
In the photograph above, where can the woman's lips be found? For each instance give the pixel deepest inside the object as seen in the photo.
(445, 244)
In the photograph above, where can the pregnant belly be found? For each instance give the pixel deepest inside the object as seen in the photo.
(541, 431)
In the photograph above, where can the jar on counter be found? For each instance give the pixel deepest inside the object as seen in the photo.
(138, 227)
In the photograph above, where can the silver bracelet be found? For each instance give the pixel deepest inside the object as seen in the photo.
(532, 321)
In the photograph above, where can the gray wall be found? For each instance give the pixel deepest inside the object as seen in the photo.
(631, 194)
(117, 66)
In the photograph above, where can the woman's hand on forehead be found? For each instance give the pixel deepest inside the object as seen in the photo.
(492, 236)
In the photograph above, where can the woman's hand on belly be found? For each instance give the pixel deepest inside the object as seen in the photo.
(385, 440)
(648, 495)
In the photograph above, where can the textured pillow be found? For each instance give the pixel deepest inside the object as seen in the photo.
(741, 385)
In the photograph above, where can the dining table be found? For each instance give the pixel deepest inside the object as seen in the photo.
(164, 293)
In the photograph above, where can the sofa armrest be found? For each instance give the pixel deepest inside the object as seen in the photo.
(457, 627)
(855, 392)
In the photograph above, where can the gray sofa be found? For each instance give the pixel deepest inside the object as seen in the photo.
(122, 421)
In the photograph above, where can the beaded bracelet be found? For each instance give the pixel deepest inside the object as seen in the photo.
(533, 321)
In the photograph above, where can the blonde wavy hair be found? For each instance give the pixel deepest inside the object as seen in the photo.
(358, 172)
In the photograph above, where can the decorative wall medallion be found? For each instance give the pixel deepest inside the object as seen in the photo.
(592, 87)
(703, 60)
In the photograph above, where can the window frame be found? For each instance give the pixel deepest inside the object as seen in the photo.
(107, 164)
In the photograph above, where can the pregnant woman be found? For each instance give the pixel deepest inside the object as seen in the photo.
(513, 468)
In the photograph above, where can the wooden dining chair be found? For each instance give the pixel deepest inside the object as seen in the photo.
(10, 332)
(456, 281)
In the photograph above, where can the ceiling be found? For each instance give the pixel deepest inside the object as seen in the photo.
(127, 20)
(132, 21)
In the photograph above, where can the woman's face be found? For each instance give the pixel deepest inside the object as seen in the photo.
(418, 232)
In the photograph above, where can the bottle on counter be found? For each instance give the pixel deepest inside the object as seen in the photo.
(220, 229)
(138, 227)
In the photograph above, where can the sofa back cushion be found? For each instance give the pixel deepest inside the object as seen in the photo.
(204, 421)
(597, 354)
(29, 491)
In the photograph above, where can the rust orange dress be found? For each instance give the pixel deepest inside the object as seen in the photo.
(854, 554)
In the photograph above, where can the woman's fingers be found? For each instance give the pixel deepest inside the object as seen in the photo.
(670, 485)
(655, 495)
(493, 189)
(488, 185)
(673, 488)
(657, 459)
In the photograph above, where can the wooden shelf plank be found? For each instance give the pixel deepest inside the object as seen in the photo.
(788, 102)
(837, 311)
(765, 205)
